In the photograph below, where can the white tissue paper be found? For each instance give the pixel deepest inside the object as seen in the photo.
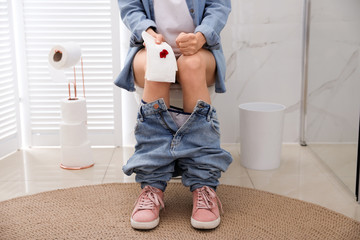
(73, 134)
(73, 111)
(61, 57)
(160, 60)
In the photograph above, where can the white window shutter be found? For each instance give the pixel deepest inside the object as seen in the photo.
(89, 23)
(8, 93)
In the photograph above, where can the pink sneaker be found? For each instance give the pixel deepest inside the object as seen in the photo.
(147, 208)
(205, 214)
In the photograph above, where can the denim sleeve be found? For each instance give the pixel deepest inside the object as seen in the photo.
(214, 19)
(134, 17)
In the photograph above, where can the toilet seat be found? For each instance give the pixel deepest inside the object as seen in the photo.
(176, 96)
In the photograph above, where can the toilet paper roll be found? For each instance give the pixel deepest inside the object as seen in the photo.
(73, 111)
(73, 134)
(76, 156)
(65, 55)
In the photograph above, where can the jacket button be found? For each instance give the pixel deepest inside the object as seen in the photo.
(156, 106)
(192, 10)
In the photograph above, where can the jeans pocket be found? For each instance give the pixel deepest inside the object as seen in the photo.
(215, 125)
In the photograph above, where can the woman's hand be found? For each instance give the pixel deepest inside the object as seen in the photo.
(158, 37)
(190, 43)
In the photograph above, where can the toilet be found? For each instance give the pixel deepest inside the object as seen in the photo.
(176, 96)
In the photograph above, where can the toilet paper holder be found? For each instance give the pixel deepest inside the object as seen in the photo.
(62, 57)
(74, 82)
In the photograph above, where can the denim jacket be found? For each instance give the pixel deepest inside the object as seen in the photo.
(209, 17)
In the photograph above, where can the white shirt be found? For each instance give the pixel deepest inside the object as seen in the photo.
(173, 17)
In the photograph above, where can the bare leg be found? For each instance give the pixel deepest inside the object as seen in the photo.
(195, 74)
(152, 90)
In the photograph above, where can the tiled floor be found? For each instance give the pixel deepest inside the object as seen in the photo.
(340, 158)
(301, 175)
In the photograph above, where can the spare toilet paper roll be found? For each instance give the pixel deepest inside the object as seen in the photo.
(63, 56)
(76, 156)
(160, 60)
(73, 134)
(73, 111)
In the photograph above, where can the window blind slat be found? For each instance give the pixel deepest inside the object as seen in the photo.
(88, 23)
(8, 115)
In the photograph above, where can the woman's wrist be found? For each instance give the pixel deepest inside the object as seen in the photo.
(200, 39)
(150, 30)
(158, 37)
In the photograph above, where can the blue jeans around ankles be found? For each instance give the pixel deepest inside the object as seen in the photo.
(163, 150)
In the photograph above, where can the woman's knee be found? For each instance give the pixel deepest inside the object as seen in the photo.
(193, 63)
(139, 67)
(139, 60)
(192, 71)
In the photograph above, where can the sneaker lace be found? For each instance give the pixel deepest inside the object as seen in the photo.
(149, 199)
(206, 197)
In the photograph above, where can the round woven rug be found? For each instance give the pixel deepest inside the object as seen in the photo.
(103, 212)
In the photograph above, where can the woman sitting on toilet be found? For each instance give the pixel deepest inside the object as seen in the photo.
(170, 141)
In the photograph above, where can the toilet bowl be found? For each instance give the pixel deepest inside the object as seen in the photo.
(176, 96)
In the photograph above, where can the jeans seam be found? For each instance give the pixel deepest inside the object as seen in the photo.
(164, 123)
(216, 129)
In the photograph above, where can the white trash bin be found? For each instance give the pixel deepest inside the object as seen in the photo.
(261, 130)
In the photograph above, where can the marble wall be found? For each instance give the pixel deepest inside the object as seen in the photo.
(263, 47)
(334, 71)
